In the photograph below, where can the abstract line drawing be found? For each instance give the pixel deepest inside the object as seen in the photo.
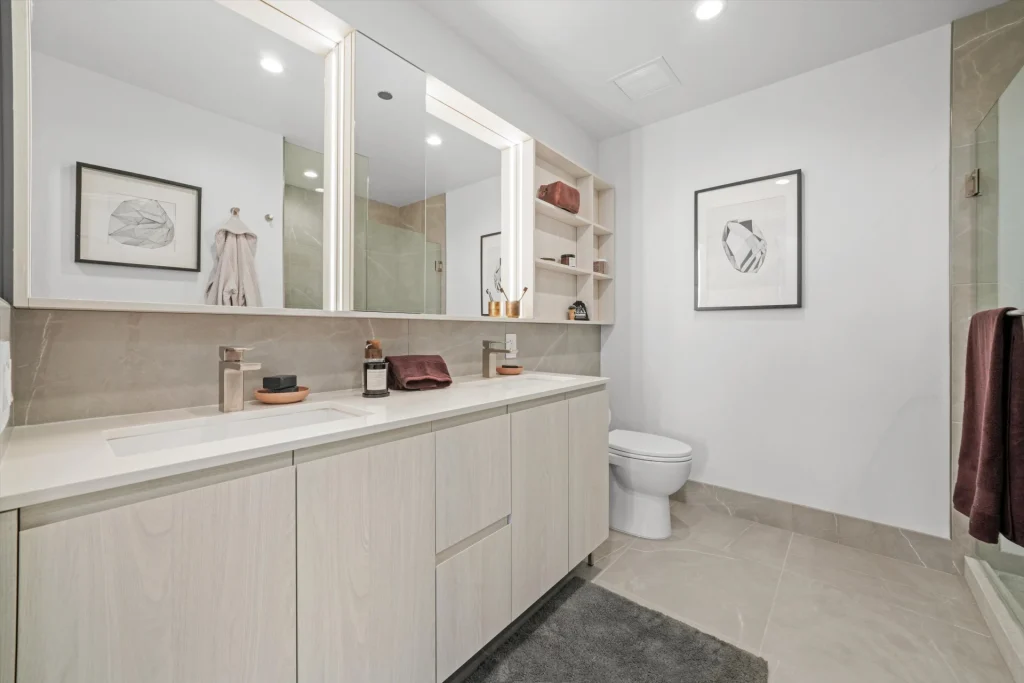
(141, 223)
(744, 245)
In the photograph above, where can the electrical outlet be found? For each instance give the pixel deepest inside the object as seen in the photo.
(510, 346)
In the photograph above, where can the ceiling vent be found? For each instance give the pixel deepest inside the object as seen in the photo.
(646, 79)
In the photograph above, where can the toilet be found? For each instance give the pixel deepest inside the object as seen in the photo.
(645, 470)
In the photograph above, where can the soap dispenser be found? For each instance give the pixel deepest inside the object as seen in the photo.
(375, 370)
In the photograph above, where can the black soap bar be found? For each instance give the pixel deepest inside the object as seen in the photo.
(280, 382)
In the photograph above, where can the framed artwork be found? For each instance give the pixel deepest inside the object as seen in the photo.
(127, 219)
(490, 268)
(747, 250)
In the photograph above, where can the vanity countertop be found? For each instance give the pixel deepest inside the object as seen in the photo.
(48, 462)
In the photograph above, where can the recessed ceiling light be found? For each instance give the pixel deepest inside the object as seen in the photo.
(782, 181)
(709, 9)
(310, 174)
(319, 189)
(433, 140)
(272, 65)
(384, 95)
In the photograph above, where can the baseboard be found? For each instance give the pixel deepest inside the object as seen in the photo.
(899, 544)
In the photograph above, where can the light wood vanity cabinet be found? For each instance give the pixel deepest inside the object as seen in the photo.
(540, 505)
(473, 478)
(366, 564)
(474, 601)
(192, 587)
(388, 557)
(588, 474)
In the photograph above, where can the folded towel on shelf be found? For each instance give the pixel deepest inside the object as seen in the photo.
(990, 477)
(414, 373)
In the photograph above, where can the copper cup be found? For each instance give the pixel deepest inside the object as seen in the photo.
(511, 309)
(494, 309)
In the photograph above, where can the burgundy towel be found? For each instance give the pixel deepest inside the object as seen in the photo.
(413, 373)
(990, 479)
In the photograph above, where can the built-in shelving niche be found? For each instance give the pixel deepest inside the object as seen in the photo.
(590, 235)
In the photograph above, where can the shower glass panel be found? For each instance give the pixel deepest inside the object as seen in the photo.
(998, 214)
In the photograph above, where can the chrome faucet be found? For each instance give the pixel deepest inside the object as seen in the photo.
(491, 350)
(232, 370)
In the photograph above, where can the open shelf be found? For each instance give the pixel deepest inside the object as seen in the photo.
(560, 215)
(590, 235)
(559, 268)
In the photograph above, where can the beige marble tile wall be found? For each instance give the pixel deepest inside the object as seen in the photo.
(988, 51)
(900, 544)
(78, 364)
(303, 249)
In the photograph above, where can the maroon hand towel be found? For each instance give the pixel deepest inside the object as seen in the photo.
(990, 478)
(413, 373)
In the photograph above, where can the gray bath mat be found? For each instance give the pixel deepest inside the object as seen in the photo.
(587, 634)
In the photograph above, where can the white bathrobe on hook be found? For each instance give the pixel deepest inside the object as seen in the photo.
(233, 281)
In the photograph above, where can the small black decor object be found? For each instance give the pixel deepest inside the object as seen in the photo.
(280, 383)
(581, 310)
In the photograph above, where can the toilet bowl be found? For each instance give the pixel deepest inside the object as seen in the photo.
(645, 470)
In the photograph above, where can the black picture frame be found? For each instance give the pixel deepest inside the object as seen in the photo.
(483, 306)
(799, 243)
(81, 166)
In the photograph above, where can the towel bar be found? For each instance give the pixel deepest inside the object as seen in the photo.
(1015, 313)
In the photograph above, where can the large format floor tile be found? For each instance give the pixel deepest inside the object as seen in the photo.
(816, 610)
(715, 572)
(819, 632)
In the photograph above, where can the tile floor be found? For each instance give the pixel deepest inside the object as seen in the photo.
(815, 610)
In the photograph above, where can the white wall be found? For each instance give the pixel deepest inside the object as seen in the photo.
(470, 212)
(80, 115)
(416, 35)
(841, 405)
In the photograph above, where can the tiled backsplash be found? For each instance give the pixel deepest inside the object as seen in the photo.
(77, 364)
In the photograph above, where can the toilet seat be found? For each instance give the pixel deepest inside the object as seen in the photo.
(649, 447)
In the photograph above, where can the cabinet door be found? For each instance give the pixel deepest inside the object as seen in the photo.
(540, 508)
(473, 489)
(366, 565)
(473, 600)
(588, 474)
(194, 587)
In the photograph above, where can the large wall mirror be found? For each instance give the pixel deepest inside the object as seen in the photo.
(225, 154)
(434, 220)
(177, 157)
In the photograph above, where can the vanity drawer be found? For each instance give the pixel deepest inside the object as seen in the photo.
(473, 478)
(474, 599)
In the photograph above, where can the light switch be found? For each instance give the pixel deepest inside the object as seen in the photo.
(510, 345)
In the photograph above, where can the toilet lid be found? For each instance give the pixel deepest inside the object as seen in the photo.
(647, 446)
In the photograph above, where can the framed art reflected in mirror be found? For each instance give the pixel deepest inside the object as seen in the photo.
(129, 219)
(490, 270)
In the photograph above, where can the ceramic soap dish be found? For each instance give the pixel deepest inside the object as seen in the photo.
(510, 369)
(280, 398)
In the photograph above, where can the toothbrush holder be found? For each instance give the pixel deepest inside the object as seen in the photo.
(494, 309)
(511, 309)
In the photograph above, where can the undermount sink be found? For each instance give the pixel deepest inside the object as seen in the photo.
(170, 435)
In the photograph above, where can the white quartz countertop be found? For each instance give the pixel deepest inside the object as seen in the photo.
(48, 462)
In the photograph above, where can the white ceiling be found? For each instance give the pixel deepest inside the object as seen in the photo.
(194, 51)
(568, 50)
(392, 133)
